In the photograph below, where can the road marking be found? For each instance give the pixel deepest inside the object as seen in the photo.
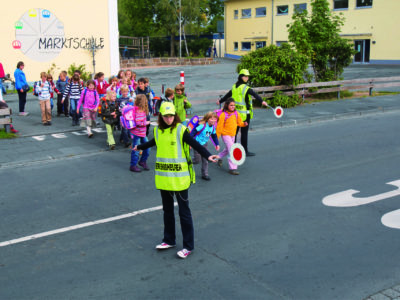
(99, 129)
(39, 137)
(392, 219)
(346, 199)
(59, 135)
(79, 226)
(79, 133)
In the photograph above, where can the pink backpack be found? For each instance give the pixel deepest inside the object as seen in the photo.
(128, 117)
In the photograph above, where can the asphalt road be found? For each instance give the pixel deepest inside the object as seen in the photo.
(264, 234)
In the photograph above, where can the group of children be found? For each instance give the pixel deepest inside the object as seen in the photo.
(107, 99)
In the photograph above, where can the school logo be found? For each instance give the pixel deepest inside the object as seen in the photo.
(40, 34)
(32, 13)
(16, 44)
(46, 13)
(18, 25)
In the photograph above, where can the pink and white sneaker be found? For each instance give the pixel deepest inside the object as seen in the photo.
(163, 246)
(184, 253)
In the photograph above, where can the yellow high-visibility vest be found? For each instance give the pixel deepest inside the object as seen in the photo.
(174, 170)
(239, 94)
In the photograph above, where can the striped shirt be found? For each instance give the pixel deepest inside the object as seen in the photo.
(44, 92)
(74, 90)
(140, 120)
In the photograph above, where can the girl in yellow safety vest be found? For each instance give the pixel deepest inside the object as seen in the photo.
(174, 173)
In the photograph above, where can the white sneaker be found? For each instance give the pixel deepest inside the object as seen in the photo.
(24, 113)
(184, 253)
(163, 246)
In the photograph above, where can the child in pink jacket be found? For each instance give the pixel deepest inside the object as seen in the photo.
(89, 101)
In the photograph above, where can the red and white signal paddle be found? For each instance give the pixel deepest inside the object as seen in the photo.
(237, 154)
(278, 111)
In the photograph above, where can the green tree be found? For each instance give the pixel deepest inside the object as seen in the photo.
(317, 37)
(270, 66)
(136, 18)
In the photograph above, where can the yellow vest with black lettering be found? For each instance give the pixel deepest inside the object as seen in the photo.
(174, 169)
(239, 94)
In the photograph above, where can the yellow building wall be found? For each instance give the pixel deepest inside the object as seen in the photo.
(378, 23)
(42, 27)
(245, 29)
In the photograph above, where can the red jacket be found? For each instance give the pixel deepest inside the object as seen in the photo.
(2, 71)
(101, 87)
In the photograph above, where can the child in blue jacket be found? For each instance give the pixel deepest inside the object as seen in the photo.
(202, 133)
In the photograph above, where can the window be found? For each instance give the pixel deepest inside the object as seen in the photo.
(261, 11)
(340, 4)
(260, 44)
(364, 3)
(279, 43)
(246, 13)
(246, 46)
(299, 8)
(235, 46)
(282, 9)
(235, 14)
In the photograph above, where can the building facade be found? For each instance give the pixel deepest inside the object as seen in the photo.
(369, 24)
(48, 34)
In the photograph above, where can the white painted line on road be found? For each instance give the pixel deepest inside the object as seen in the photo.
(79, 226)
(346, 199)
(98, 130)
(39, 137)
(79, 133)
(59, 135)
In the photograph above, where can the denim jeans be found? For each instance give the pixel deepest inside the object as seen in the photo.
(185, 217)
(136, 140)
(73, 106)
(124, 135)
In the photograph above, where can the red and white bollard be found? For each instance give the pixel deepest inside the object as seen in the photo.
(182, 77)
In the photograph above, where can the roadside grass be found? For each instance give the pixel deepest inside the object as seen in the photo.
(7, 135)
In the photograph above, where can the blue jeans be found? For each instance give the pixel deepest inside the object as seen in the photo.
(124, 135)
(136, 140)
(73, 106)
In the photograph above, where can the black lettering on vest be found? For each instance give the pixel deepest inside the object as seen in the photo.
(172, 167)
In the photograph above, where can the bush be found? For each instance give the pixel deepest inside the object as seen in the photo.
(85, 75)
(280, 99)
(270, 66)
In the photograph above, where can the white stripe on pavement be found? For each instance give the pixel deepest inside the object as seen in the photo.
(39, 137)
(79, 226)
(59, 135)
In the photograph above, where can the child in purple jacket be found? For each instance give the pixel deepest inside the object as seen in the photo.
(138, 134)
(90, 101)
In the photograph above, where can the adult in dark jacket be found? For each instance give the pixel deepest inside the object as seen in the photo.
(242, 94)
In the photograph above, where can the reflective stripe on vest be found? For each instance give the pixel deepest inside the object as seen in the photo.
(172, 171)
(239, 95)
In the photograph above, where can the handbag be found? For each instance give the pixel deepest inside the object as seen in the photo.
(26, 88)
